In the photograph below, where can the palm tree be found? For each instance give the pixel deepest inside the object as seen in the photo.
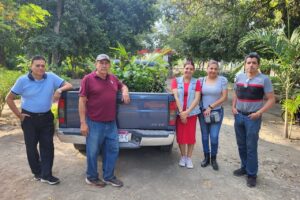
(285, 52)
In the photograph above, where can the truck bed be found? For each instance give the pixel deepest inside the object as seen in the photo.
(149, 119)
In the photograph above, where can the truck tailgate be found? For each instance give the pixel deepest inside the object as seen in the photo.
(145, 111)
(148, 111)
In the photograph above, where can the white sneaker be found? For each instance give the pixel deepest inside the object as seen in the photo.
(189, 163)
(182, 161)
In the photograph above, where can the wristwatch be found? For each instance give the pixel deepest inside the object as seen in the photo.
(210, 106)
(59, 90)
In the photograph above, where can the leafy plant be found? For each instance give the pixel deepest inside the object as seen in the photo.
(7, 79)
(292, 106)
(230, 75)
(277, 85)
(148, 74)
(73, 69)
(23, 63)
(54, 110)
(199, 73)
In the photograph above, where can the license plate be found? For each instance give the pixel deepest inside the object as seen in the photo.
(123, 136)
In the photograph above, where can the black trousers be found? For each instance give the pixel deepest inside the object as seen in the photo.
(39, 128)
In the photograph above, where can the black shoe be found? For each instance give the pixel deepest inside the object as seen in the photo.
(239, 172)
(97, 183)
(214, 163)
(251, 181)
(37, 177)
(114, 182)
(51, 180)
(206, 160)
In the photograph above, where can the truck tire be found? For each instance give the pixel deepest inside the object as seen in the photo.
(166, 148)
(80, 147)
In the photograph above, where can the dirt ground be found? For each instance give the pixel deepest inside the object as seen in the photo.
(150, 174)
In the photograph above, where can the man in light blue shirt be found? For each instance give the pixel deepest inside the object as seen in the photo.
(38, 89)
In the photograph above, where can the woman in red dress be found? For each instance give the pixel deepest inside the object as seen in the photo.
(186, 90)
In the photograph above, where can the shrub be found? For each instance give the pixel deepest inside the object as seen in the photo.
(54, 110)
(147, 75)
(229, 75)
(199, 73)
(7, 79)
(73, 68)
(277, 86)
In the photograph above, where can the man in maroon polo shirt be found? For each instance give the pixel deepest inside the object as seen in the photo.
(97, 111)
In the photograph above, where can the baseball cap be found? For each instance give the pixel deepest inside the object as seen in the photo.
(102, 57)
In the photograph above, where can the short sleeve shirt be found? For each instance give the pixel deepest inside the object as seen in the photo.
(36, 95)
(211, 93)
(101, 96)
(250, 92)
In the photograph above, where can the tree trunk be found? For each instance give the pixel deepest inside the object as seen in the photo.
(2, 56)
(290, 128)
(55, 54)
(286, 130)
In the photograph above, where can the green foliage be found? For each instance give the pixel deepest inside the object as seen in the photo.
(232, 74)
(32, 16)
(23, 63)
(86, 28)
(211, 29)
(54, 110)
(73, 70)
(229, 75)
(277, 86)
(199, 73)
(7, 79)
(291, 106)
(17, 24)
(125, 20)
(140, 77)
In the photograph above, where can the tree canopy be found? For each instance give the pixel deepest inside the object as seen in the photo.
(75, 28)
(211, 29)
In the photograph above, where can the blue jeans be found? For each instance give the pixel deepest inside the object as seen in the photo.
(102, 136)
(247, 134)
(210, 132)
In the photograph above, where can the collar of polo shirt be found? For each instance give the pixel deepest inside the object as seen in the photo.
(32, 78)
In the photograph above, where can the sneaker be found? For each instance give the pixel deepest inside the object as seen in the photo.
(182, 161)
(97, 183)
(239, 172)
(114, 182)
(251, 181)
(51, 180)
(37, 177)
(189, 163)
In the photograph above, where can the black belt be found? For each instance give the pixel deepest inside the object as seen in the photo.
(36, 114)
(245, 113)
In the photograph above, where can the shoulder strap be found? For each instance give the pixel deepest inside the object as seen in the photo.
(202, 80)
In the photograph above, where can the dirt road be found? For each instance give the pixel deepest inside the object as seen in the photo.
(151, 174)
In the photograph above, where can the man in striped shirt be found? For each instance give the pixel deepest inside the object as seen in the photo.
(248, 105)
